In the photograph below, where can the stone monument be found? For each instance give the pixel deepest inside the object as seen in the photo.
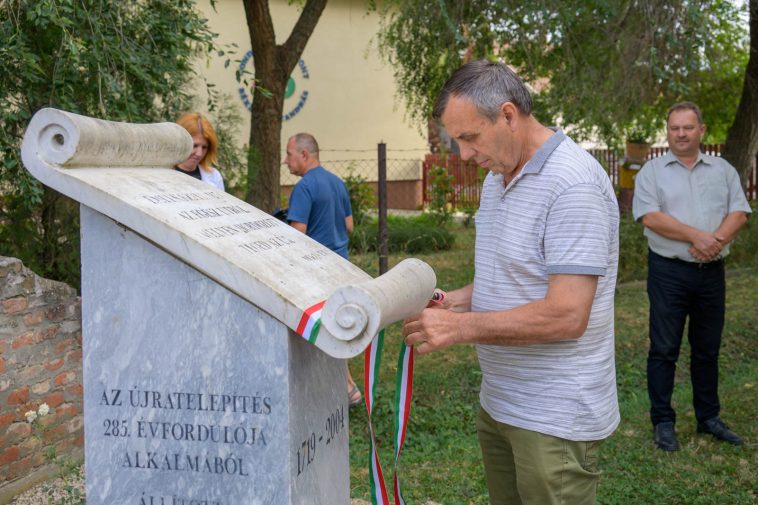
(214, 335)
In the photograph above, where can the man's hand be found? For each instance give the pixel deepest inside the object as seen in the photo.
(698, 255)
(562, 315)
(432, 329)
(706, 247)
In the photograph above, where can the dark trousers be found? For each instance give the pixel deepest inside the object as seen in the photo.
(678, 290)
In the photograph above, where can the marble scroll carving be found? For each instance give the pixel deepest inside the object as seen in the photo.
(124, 171)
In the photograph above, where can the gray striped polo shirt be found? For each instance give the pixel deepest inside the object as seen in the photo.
(558, 216)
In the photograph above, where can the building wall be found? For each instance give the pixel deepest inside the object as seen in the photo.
(352, 102)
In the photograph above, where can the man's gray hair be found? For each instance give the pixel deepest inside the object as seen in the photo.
(686, 106)
(488, 85)
(306, 141)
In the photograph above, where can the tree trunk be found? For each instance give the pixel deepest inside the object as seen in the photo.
(273, 66)
(742, 139)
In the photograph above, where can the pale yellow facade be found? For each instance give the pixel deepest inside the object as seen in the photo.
(343, 94)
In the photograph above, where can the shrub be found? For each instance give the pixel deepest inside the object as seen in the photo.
(632, 250)
(232, 159)
(361, 196)
(743, 252)
(122, 61)
(441, 185)
(407, 235)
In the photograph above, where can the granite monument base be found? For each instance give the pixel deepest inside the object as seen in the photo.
(195, 396)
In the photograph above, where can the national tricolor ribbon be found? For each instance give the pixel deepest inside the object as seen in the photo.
(310, 322)
(403, 396)
(308, 328)
(372, 359)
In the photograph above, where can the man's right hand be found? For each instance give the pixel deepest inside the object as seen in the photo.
(432, 329)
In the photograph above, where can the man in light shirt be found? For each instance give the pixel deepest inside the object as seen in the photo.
(692, 206)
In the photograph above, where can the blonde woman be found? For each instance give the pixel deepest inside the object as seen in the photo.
(204, 149)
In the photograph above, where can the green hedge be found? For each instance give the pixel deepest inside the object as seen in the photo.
(412, 235)
(632, 250)
(422, 234)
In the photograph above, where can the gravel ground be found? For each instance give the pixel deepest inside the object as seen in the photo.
(53, 492)
(50, 492)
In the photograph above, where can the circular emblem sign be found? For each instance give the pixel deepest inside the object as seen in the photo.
(295, 94)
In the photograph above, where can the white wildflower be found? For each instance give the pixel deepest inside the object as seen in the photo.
(44, 409)
(30, 416)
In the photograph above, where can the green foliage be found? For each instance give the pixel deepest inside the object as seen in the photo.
(408, 235)
(68, 491)
(68, 488)
(633, 250)
(361, 196)
(469, 211)
(743, 251)
(599, 66)
(232, 159)
(126, 61)
(45, 236)
(440, 206)
(424, 42)
(644, 130)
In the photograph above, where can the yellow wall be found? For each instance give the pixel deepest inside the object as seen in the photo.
(352, 103)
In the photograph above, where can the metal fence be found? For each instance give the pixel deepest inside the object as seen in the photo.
(611, 160)
(404, 189)
(412, 182)
(467, 175)
(465, 180)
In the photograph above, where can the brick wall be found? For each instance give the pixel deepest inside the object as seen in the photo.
(40, 362)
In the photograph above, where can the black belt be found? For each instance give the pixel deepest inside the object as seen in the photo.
(691, 264)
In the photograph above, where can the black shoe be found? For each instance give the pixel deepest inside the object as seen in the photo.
(716, 427)
(664, 435)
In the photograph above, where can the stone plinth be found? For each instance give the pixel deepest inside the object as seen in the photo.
(193, 393)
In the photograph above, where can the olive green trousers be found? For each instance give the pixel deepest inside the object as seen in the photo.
(529, 468)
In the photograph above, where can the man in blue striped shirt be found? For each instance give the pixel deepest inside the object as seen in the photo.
(540, 308)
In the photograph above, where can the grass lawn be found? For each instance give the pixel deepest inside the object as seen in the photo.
(441, 457)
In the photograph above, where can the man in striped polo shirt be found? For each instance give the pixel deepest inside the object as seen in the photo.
(540, 308)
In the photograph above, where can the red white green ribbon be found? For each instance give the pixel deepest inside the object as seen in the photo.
(308, 328)
(310, 322)
(403, 396)
(372, 360)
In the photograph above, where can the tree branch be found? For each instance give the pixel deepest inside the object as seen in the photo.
(289, 53)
